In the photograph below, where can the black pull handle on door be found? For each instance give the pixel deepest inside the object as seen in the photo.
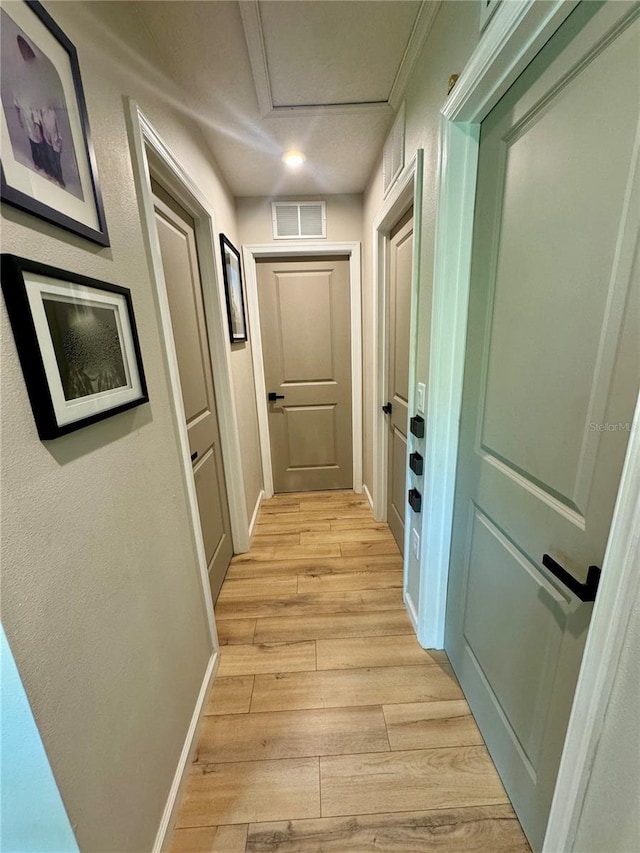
(194, 455)
(387, 408)
(584, 591)
(273, 396)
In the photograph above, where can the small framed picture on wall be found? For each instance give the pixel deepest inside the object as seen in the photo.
(233, 291)
(77, 343)
(48, 162)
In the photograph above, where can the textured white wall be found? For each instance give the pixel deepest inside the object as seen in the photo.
(102, 601)
(451, 42)
(344, 217)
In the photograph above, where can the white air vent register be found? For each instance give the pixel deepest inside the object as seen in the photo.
(299, 219)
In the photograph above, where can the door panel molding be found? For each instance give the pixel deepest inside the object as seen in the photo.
(300, 249)
(513, 38)
(146, 146)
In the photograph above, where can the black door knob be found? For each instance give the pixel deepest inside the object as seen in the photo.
(273, 396)
(387, 408)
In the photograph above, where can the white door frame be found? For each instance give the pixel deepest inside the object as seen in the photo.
(310, 249)
(146, 146)
(406, 192)
(514, 36)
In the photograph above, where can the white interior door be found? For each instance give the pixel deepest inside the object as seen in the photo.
(551, 380)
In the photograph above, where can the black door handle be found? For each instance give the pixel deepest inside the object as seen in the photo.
(194, 455)
(273, 396)
(584, 591)
(387, 408)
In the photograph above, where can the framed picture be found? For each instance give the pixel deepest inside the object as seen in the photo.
(77, 343)
(233, 291)
(48, 163)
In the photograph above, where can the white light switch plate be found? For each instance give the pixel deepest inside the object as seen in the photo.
(420, 398)
(415, 544)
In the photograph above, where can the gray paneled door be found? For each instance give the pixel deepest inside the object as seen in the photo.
(184, 289)
(551, 380)
(399, 301)
(305, 320)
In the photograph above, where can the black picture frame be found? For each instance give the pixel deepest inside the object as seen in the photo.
(77, 343)
(48, 163)
(234, 291)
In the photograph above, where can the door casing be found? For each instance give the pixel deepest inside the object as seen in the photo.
(150, 155)
(300, 249)
(512, 39)
(405, 193)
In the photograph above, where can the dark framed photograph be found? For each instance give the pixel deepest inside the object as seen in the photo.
(48, 162)
(233, 290)
(77, 344)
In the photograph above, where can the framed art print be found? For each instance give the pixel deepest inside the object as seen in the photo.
(48, 163)
(233, 291)
(77, 344)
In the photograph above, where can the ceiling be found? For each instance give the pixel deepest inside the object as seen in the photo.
(265, 76)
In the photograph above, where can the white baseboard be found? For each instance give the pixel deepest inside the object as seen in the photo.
(411, 610)
(367, 495)
(254, 517)
(184, 762)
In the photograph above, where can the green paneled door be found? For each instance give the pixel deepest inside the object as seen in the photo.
(551, 378)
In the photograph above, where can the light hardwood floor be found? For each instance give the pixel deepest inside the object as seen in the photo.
(329, 730)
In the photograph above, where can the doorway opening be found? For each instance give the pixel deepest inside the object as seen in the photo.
(306, 339)
(252, 255)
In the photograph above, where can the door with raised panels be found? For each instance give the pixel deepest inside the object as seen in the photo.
(184, 290)
(551, 381)
(399, 301)
(305, 321)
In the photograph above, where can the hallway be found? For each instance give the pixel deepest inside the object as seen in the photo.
(328, 727)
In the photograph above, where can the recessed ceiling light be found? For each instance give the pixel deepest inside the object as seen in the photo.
(294, 159)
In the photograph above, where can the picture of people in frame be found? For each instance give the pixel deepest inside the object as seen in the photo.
(35, 110)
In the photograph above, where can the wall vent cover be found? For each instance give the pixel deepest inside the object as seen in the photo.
(295, 220)
(393, 152)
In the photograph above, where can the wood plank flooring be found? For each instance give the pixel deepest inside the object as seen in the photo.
(328, 729)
